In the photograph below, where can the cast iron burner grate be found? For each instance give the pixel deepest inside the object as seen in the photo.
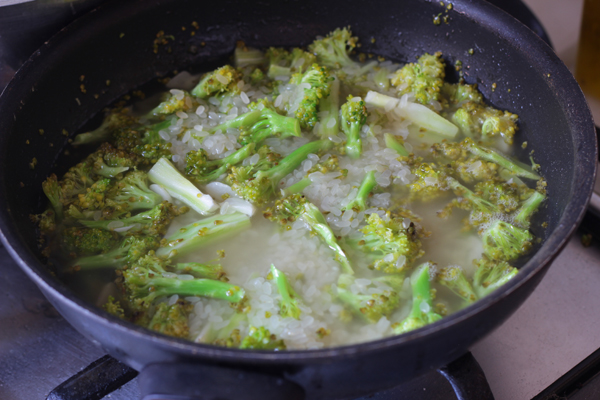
(462, 379)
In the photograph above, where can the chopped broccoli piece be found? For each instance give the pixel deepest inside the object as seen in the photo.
(453, 277)
(390, 246)
(318, 80)
(115, 119)
(288, 305)
(296, 206)
(284, 63)
(199, 270)
(371, 307)
(132, 193)
(353, 117)
(166, 175)
(261, 339)
(392, 142)
(203, 170)
(528, 207)
(219, 81)
(422, 312)
(359, 203)
(172, 103)
(334, 49)
(247, 56)
(206, 230)
(503, 241)
(172, 320)
(430, 183)
(145, 283)
(490, 275)
(424, 79)
(259, 186)
(114, 307)
(87, 241)
(478, 120)
(152, 222)
(129, 251)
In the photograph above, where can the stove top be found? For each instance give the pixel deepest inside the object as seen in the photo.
(546, 350)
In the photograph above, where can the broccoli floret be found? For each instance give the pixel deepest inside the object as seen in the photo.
(390, 246)
(172, 320)
(503, 241)
(476, 120)
(457, 93)
(219, 81)
(334, 49)
(132, 193)
(288, 305)
(114, 307)
(260, 186)
(78, 241)
(261, 122)
(229, 336)
(490, 275)
(471, 161)
(430, 182)
(422, 312)
(45, 221)
(453, 277)
(203, 170)
(115, 120)
(424, 79)
(94, 197)
(319, 80)
(296, 206)
(261, 339)
(359, 203)
(353, 117)
(54, 193)
(165, 174)
(284, 63)
(371, 307)
(152, 222)
(528, 208)
(395, 143)
(206, 230)
(173, 102)
(129, 251)
(145, 283)
(109, 162)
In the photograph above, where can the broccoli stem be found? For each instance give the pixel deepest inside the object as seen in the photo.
(198, 270)
(202, 232)
(297, 187)
(246, 119)
(454, 279)
(331, 104)
(490, 275)
(292, 161)
(313, 217)
(166, 175)
(416, 113)
(360, 201)
(529, 206)
(421, 313)
(245, 56)
(495, 157)
(392, 143)
(288, 306)
(278, 70)
(160, 287)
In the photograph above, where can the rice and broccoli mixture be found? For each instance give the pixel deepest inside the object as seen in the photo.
(297, 199)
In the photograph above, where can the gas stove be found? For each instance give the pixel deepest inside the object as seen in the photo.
(547, 350)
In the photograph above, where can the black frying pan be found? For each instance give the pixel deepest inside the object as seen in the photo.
(115, 43)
